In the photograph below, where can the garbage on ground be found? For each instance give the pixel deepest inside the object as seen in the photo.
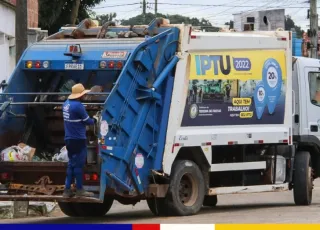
(20, 152)
(40, 208)
(13, 209)
(62, 156)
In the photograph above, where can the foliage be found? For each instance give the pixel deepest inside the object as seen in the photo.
(106, 18)
(230, 24)
(174, 19)
(289, 25)
(55, 13)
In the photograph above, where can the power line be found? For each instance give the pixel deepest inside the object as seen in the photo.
(109, 6)
(256, 8)
(226, 5)
(121, 11)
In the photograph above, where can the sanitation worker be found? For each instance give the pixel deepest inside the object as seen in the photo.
(75, 121)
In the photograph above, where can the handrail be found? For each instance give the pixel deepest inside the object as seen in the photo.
(46, 103)
(51, 94)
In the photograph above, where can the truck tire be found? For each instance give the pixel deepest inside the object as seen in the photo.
(157, 206)
(68, 209)
(302, 181)
(210, 201)
(86, 209)
(186, 190)
(93, 209)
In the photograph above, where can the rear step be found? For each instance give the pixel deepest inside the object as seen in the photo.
(49, 198)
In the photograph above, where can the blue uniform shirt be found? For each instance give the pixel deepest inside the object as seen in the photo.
(75, 120)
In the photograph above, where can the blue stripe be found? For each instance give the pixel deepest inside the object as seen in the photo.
(78, 226)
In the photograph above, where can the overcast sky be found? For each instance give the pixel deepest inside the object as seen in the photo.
(218, 13)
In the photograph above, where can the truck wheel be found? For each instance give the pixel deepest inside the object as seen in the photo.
(302, 181)
(210, 201)
(157, 206)
(93, 209)
(186, 190)
(68, 209)
(86, 209)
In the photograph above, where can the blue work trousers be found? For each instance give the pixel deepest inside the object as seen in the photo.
(77, 153)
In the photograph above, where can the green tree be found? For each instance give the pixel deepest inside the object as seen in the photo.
(289, 25)
(230, 24)
(174, 19)
(55, 13)
(106, 18)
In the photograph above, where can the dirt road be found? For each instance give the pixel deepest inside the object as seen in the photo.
(252, 208)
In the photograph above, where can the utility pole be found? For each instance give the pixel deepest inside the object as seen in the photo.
(314, 28)
(156, 7)
(144, 7)
(21, 28)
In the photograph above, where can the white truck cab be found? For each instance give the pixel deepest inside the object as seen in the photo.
(306, 88)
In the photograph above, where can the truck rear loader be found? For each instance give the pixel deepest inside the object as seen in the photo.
(185, 116)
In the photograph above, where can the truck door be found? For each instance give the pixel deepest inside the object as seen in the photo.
(312, 77)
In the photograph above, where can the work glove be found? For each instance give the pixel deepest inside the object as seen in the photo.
(95, 118)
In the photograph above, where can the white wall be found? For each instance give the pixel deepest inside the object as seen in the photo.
(7, 20)
(237, 22)
(276, 18)
(7, 33)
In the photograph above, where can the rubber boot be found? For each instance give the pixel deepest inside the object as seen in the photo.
(84, 193)
(67, 193)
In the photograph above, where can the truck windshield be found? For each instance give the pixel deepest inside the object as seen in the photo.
(314, 87)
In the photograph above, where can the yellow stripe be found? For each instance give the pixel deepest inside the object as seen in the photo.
(11, 157)
(267, 226)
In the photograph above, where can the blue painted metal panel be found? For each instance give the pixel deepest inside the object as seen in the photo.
(297, 47)
(91, 53)
(137, 115)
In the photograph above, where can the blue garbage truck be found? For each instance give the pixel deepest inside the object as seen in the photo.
(158, 138)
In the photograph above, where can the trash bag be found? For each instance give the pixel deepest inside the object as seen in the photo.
(62, 156)
(14, 153)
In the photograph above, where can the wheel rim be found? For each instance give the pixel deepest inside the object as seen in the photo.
(188, 190)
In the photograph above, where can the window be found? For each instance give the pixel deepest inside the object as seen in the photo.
(248, 27)
(250, 19)
(314, 87)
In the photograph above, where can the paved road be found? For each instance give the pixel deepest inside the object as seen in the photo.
(252, 208)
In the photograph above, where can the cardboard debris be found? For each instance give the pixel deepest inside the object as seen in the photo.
(41, 208)
(18, 209)
(6, 210)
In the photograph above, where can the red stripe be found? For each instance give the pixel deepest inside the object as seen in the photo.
(146, 227)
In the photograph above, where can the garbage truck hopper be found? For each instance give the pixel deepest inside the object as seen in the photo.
(131, 72)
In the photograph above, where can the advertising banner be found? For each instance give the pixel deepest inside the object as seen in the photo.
(236, 88)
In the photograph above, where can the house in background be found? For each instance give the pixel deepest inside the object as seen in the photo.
(249, 21)
(7, 33)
